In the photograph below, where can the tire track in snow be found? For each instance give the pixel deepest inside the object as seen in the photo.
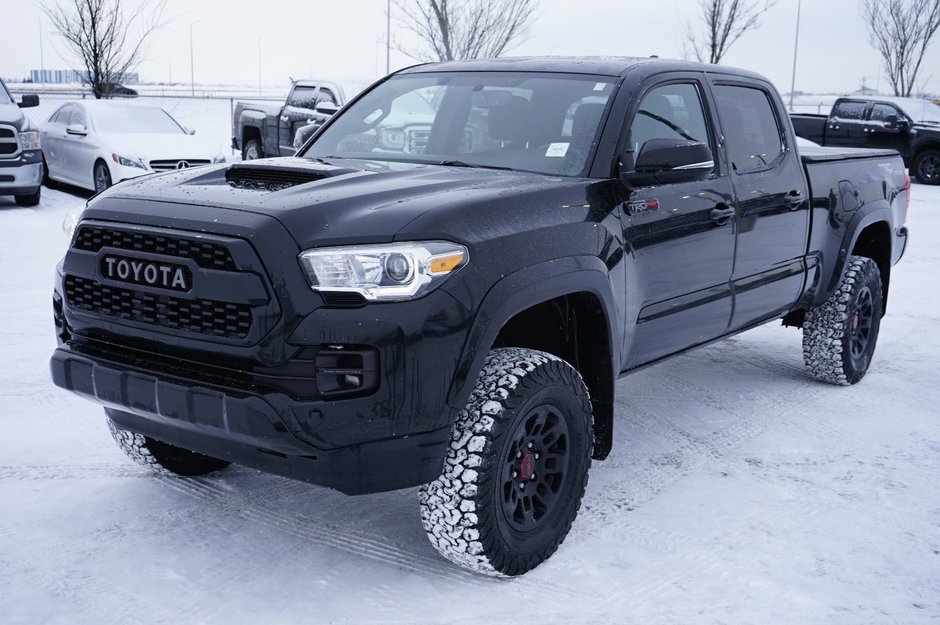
(346, 539)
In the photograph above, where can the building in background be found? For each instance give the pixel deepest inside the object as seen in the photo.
(71, 76)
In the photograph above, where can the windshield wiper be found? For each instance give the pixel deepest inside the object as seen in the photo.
(472, 165)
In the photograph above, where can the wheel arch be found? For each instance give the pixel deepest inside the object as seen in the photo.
(874, 242)
(564, 307)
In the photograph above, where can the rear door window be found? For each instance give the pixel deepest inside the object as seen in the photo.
(750, 126)
(849, 110)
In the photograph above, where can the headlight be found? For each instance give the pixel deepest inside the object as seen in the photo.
(128, 162)
(70, 223)
(29, 140)
(219, 158)
(396, 271)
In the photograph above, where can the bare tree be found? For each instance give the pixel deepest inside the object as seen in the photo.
(107, 41)
(725, 21)
(465, 29)
(901, 31)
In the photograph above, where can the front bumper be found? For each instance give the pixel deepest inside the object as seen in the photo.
(244, 428)
(22, 175)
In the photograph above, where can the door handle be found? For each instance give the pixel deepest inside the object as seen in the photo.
(833, 126)
(285, 118)
(794, 200)
(722, 213)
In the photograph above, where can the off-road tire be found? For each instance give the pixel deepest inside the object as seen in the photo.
(926, 167)
(163, 458)
(29, 200)
(465, 511)
(252, 149)
(834, 349)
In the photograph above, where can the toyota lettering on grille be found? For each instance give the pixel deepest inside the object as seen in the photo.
(146, 272)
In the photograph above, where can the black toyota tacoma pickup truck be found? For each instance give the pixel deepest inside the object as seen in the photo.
(443, 286)
(909, 125)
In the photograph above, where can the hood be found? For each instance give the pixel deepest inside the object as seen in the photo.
(323, 204)
(12, 115)
(162, 146)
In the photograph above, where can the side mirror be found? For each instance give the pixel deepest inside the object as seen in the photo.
(28, 101)
(76, 129)
(670, 160)
(891, 122)
(189, 131)
(326, 108)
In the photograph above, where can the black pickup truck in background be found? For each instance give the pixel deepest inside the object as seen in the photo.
(444, 284)
(909, 125)
(260, 130)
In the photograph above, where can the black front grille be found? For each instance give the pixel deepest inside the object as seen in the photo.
(8, 148)
(206, 254)
(6, 133)
(224, 319)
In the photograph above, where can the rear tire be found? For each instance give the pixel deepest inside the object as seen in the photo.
(517, 465)
(252, 150)
(926, 167)
(840, 335)
(163, 458)
(29, 200)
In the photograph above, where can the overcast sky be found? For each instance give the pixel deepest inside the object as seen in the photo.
(344, 40)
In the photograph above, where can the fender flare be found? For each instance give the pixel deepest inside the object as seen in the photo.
(865, 216)
(523, 289)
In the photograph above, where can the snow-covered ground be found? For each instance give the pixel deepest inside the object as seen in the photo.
(739, 491)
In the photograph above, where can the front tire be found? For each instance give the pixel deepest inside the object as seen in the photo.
(252, 150)
(840, 335)
(29, 200)
(163, 458)
(926, 167)
(101, 176)
(517, 465)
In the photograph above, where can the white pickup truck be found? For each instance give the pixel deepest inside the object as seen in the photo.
(21, 168)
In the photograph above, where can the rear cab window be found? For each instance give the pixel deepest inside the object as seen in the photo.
(751, 127)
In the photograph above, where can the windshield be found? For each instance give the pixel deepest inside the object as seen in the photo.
(4, 94)
(920, 110)
(544, 123)
(135, 120)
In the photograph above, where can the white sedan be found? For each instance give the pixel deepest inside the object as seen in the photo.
(93, 144)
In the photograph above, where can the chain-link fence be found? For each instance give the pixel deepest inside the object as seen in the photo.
(210, 117)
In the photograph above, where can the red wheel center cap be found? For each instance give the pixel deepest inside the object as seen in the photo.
(527, 465)
(855, 322)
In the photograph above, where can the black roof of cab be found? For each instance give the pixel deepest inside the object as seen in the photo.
(607, 66)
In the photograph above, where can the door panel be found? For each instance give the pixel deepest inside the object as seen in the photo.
(683, 250)
(773, 212)
(684, 260)
(846, 125)
(880, 136)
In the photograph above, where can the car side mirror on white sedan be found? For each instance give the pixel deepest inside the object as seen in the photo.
(189, 131)
(76, 129)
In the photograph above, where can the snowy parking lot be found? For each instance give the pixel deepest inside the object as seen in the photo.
(739, 491)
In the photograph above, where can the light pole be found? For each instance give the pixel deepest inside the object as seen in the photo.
(388, 37)
(259, 65)
(796, 47)
(192, 65)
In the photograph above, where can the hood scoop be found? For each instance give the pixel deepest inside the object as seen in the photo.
(275, 177)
